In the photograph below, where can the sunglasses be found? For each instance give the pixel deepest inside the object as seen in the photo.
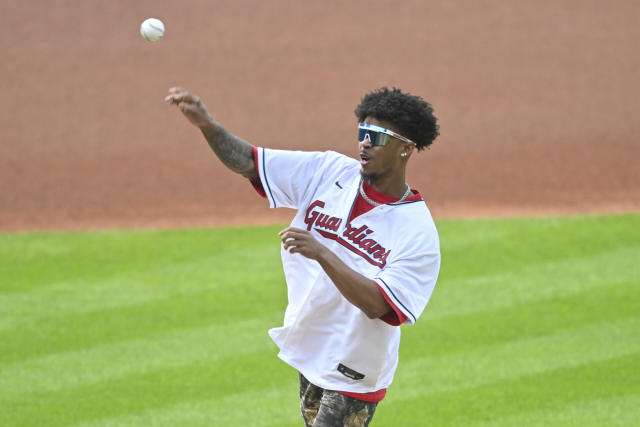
(378, 136)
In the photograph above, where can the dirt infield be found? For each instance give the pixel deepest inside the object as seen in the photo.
(537, 101)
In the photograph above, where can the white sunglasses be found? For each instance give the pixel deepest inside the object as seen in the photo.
(378, 136)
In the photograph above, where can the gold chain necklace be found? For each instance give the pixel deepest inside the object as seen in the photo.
(371, 202)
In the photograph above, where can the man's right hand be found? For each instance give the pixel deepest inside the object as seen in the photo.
(192, 107)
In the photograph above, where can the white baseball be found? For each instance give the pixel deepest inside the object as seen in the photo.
(152, 29)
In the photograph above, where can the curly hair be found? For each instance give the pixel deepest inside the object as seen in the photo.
(411, 115)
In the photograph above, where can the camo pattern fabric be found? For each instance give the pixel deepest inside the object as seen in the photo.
(327, 408)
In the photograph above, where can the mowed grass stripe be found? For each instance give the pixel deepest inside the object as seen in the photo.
(524, 320)
(158, 282)
(29, 261)
(67, 370)
(151, 390)
(549, 391)
(84, 275)
(97, 328)
(498, 246)
(542, 280)
(272, 407)
(248, 281)
(487, 364)
(621, 411)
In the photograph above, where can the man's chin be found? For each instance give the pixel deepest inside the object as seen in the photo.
(368, 176)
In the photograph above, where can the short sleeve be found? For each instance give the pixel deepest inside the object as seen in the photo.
(290, 177)
(409, 280)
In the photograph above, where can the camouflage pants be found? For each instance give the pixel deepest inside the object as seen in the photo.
(327, 408)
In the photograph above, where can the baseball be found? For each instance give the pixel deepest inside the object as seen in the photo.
(152, 29)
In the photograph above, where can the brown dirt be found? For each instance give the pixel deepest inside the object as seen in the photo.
(537, 100)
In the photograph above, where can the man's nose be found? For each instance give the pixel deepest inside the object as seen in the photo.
(366, 142)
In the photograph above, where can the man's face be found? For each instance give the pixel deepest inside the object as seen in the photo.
(381, 162)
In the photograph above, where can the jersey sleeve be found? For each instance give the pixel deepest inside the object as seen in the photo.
(408, 281)
(289, 177)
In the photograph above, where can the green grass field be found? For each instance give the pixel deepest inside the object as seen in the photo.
(534, 322)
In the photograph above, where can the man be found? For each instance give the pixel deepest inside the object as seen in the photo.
(361, 256)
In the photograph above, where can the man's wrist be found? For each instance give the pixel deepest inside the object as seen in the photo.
(209, 129)
(324, 255)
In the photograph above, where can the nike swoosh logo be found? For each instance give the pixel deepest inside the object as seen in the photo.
(338, 184)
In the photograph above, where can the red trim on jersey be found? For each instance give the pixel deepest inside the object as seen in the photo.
(395, 317)
(257, 185)
(375, 396)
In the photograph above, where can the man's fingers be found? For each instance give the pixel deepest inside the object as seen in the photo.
(177, 90)
(283, 234)
(287, 244)
(287, 238)
(178, 95)
(174, 94)
(291, 233)
(294, 246)
(291, 242)
(292, 238)
(182, 97)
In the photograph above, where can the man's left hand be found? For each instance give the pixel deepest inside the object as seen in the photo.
(297, 240)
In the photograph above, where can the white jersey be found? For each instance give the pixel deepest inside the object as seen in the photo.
(325, 337)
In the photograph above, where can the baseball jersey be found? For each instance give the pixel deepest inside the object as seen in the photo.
(325, 337)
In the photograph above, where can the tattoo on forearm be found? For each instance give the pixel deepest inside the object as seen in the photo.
(234, 152)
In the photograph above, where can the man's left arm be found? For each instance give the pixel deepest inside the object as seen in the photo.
(359, 290)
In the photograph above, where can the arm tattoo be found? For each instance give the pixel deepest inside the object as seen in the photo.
(235, 153)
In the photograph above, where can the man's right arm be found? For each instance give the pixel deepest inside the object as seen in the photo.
(234, 152)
